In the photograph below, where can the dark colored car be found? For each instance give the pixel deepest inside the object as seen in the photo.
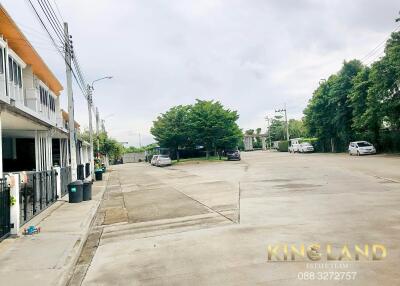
(233, 154)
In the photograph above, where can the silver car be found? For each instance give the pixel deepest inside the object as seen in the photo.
(161, 160)
(306, 147)
(361, 148)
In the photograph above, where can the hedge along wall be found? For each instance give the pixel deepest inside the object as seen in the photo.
(283, 146)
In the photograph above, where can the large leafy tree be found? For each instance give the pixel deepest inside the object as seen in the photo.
(297, 128)
(390, 95)
(277, 128)
(171, 129)
(328, 115)
(213, 126)
(206, 123)
(359, 102)
(343, 116)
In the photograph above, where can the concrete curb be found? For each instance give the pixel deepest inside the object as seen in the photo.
(75, 252)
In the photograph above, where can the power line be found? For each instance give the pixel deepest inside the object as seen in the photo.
(57, 24)
(65, 42)
(58, 10)
(74, 56)
(54, 20)
(373, 53)
(54, 28)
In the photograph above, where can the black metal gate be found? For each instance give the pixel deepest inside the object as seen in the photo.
(65, 177)
(37, 193)
(5, 225)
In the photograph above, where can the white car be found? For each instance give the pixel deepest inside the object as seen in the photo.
(306, 147)
(294, 145)
(161, 160)
(361, 148)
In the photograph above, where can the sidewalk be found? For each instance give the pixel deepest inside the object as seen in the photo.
(48, 258)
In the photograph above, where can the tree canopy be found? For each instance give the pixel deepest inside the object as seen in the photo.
(109, 146)
(204, 124)
(278, 128)
(359, 103)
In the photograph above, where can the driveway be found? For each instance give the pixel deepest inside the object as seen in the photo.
(185, 224)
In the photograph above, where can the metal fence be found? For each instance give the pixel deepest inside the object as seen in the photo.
(65, 178)
(87, 170)
(37, 193)
(5, 225)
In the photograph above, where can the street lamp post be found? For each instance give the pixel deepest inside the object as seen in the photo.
(90, 104)
(90, 89)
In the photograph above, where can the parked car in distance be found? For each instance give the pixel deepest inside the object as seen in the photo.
(306, 147)
(361, 148)
(162, 160)
(233, 154)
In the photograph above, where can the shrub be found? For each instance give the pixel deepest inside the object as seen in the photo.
(283, 146)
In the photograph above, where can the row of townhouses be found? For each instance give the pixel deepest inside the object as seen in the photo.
(34, 151)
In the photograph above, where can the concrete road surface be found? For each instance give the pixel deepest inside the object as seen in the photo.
(180, 225)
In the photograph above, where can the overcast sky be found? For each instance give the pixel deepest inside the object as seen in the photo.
(251, 55)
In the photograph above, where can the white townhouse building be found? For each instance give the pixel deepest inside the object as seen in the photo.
(34, 149)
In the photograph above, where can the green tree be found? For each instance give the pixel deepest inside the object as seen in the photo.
(358, 101)
(389, 95)
(249, 132)
(213, 126)
(171, 129)
(258, 143)
(206, 123)
(329, 113)
(107, 145)
(297, 128)
(277, 128)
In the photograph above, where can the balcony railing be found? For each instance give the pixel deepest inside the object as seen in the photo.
(16, 92)
(37, 192)
(31, 100)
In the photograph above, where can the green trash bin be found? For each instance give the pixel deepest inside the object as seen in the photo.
(75, 192)
(98, 174)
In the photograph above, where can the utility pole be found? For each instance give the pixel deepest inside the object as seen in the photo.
(286, 121)
(287, 125)
(269, 133)
(90, 104)
(71, 121)
(97, 131)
